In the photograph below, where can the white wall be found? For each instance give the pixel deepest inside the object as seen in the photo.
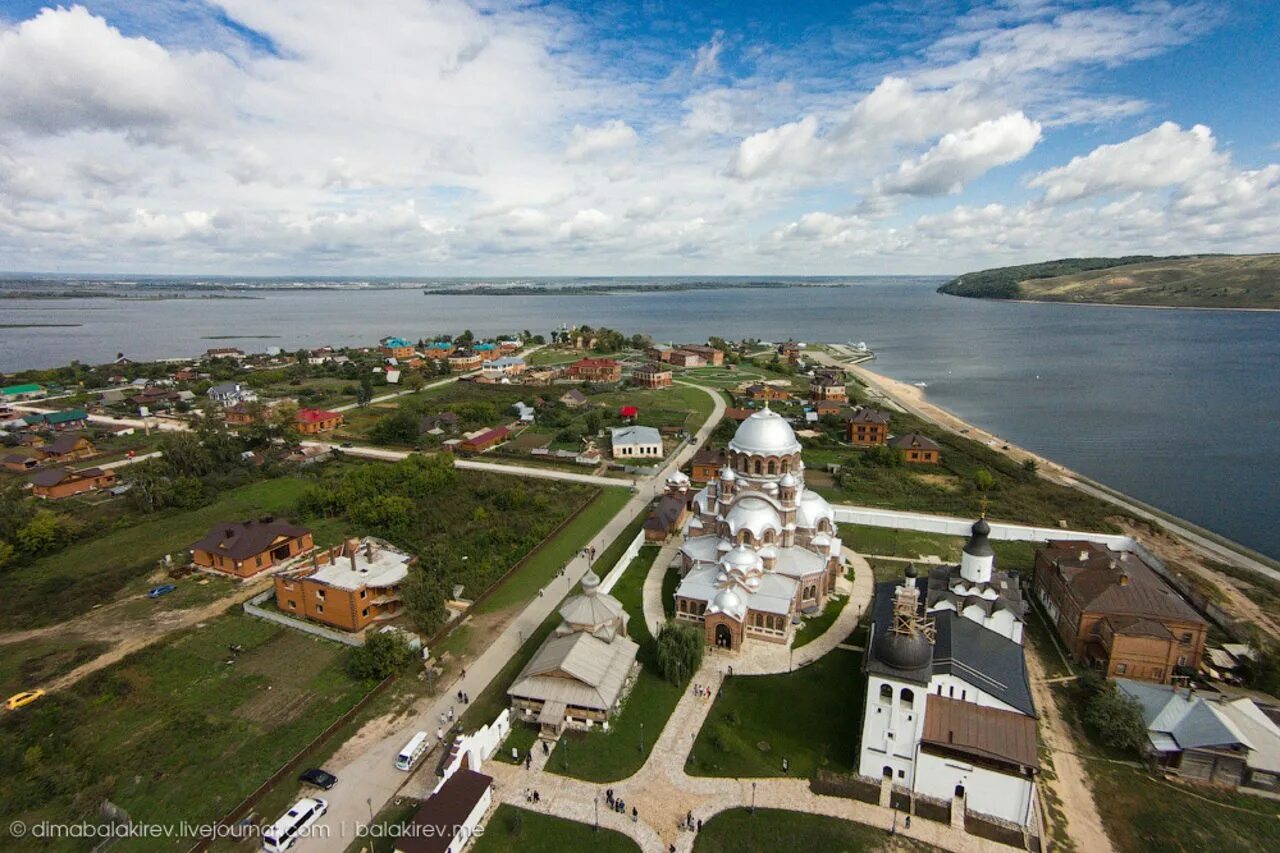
(966, 692)
(467, 831)
(904, 723)
(1001, 795)
(951, 526)
(477, 746)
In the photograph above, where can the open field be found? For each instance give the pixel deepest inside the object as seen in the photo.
(1207, 281)
(600, 756)
(94, 571)
(802, 716)
(510, 828)
(29, 664)
(768, 830)
(182, 730)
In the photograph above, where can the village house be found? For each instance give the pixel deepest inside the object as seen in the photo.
(154, 399)
(227, 394)
(67, 447)
(58, 421)
(26, 391)
(487, 351)
(830, 408)
(349, 586)
(759, 391)
(240, 415)
(917, 449)
(635, 442)
(737, 413)
(482, 440)
(313, 421)
(685, 358)
(828, 385)
(659, 353)
(573, 398)
(55, 483)
(509, 345)
(224, 352)
(1208, 737)
(246, 548)
(438, 349)
(19, 463)
(672, 510)
(706, 464)
(451, 816)
(709, 355)
(868, 427)
(437, 424)
(540, 375)
(1116, 614)
(790, 351)
(503, 367)
(595, 370)
(396, 348)
(652, 375)
(463, 360)
(582, 671)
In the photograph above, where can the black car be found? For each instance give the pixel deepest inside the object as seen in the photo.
(320, 778)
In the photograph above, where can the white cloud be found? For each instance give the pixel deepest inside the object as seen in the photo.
(787, 146)
(66, 70)
(585, 142)
(961, 157)
(707, 57)
(1164, 156)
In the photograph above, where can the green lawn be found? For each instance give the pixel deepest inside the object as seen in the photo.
(815, 626)
(891, 542)
(670, 582)
(803, 716)
(68, 583)
(522, 738)
(180, 730)
(600, 756)
(770, 830)
(552, 556)
(31, 663)
(677, 405)
(510, 828)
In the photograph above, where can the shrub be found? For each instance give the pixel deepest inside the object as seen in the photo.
(1115, 719)
(381, 656)
(679, 652)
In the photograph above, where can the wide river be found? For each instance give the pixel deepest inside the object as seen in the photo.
(1178, 408)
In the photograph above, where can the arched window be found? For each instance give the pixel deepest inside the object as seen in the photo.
(769, 537)
(786, 464)
(886, 694)
(906, 698)
(773, 466)
(758, 467)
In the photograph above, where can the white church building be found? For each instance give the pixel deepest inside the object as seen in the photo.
(948, 713)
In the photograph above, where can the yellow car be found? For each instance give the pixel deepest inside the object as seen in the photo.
(19, 700)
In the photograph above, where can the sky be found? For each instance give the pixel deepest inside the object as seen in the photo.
(450, 138)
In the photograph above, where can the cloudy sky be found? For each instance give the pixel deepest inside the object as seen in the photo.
(441, 137)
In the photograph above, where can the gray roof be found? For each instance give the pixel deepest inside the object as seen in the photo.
(577, 669)
(1188, 719)
(591, 609)
(635, 435)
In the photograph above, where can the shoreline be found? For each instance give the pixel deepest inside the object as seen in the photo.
(1210, 543)
(1091, 304)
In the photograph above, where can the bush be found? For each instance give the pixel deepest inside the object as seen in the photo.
(381, 656)
(1114, 718)
(679, 652)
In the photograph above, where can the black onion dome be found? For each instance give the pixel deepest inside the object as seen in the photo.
(904, 651)
(978, 544)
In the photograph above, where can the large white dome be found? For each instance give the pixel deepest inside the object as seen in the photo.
(765, 433)
(753, 513)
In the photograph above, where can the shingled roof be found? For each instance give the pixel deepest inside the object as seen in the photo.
(1116, 582)
(241, 540)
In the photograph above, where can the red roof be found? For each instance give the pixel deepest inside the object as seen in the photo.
(311, 416)
(488, 435)
(629, 411)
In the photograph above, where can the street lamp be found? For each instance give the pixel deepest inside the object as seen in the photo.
(370, 802)
(597, 801)
(753, 797)
(642, 737)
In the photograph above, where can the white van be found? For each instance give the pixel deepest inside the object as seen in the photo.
(412, 751)
(282, 834)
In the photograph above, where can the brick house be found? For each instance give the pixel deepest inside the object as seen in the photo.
(396, 348)
(68, 447)
(652, 375)
(828, 385)
(868, 427)
(18, 462)
(438, 349)
(767, 393)
(349, 586)
(1115, 613)
(312, 421)
(238, 415)
(738, 414)
(245, 548)
(710, 355)
(595, 370)
(917, 449)
(464, 359)
(481, 441)
(687, 358)
(56, 483)
(706, 464)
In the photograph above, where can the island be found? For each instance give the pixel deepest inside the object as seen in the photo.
(1183, 281)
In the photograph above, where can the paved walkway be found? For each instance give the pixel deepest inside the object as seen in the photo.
(655, 613)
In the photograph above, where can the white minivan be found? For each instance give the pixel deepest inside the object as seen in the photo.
(282, 834)
(412, 751)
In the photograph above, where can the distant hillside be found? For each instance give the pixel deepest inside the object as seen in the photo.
(1187, 281)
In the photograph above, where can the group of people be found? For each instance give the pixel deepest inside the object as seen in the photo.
(463, 698)
(619, 805)
(703, 692)
(531, 795)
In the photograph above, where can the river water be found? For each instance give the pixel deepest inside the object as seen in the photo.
(1178, 408)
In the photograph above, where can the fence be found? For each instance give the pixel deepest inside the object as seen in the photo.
(251, 607)
(633, 550)
(952, 526)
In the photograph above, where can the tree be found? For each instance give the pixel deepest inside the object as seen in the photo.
(882, 456)
(381, 656)
(414, 381)
(983, 480)
(593, 422)
(365, 393)
(44, 533)
(1116, 719)
(424, 592)
(1029, 469)
(679, 652)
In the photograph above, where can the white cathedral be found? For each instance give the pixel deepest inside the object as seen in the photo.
(760, 549)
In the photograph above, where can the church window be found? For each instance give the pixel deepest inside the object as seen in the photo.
(906, 698)
(886, 694)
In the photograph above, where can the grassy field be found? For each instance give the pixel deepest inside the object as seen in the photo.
(891, 542)
(511, 828)
(769, 830)
(68, 583)
(29, 664)
(802, 716)
(542, 566)
(180, 730)
(600, 756)
(814, 627)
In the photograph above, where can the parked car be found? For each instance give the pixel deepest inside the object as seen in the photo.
(162, 590)
(20, 700)
(346, 444)
(322, 779)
